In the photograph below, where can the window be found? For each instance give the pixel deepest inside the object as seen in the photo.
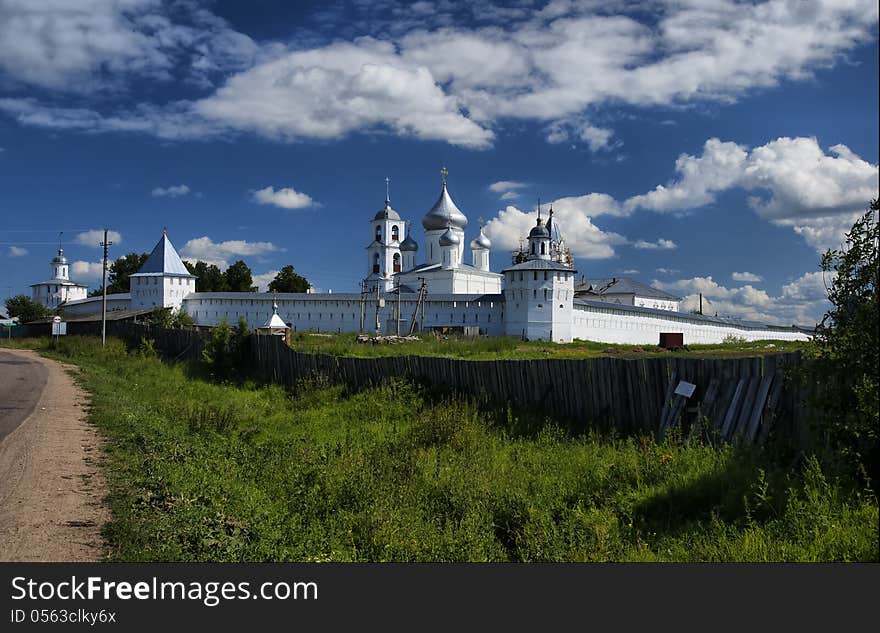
(543, 246)
(378, 233)
(376, 263)
(536, 275)
(545, 275)
(533, 248)
(396, 260)
(395, 233)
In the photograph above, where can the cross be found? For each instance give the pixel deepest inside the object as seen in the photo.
(387, 189)
(480, 221)
(444, 172)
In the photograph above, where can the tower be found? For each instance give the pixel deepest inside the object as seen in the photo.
(480, 250)
(384, 258)
(444, 217)
(163, 281)
(539, 292)
(58, 289)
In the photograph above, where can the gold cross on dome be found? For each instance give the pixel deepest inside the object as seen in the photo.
(444, 172)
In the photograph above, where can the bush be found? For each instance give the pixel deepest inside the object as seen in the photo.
(849, 351)
(225, 352)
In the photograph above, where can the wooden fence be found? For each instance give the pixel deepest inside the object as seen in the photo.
(736, 398)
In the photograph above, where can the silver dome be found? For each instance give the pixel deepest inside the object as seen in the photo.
(481, 241)
(409, 244)
(539, 230)
(59, 258)
(444, 214)
(449, 238)
(387, 213)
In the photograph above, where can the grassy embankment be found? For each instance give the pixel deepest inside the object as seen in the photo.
(206, 472)
(500, 347)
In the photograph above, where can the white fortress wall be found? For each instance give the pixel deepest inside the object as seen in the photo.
(92, 305)
(342, 312)
(609, 323)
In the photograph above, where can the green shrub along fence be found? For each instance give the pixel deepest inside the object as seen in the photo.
(735, 399)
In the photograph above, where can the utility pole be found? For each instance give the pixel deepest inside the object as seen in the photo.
(378, 324)
(701, 304)
(363, 305)
(423, 290)
(398, 308)
(106, 245)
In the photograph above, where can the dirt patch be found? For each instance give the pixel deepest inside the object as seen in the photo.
(52, 489)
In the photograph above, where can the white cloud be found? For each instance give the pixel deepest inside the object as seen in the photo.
(89, 271)
(746, 276)
(17, 251)
(286, 198)
(90, 44)
(629, 271)
(585, 239)
(345, 87)
(174, 191)
(219, 253)
(94, 237)
(660, 244)
(802, 302)
(507, 188)
(797, 184)
(263, 280)
(428, 78)
(506, 185)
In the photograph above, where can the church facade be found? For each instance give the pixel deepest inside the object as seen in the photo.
(443, 286)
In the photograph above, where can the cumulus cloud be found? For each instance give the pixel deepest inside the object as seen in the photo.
(263, 280)
(585, 239)
(660, 244)
(286, 198)
(796, 184)
(801, 302)
(426, 76)
(174, 191)
(339, 89)
(88, 44)
(89, 271)
(509, 189)
(17, 251)
(746, 276)
(219, 253)
(94, 237)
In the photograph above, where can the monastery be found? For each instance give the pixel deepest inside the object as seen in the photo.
(431, 287)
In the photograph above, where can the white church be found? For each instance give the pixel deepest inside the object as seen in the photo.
(537, 297)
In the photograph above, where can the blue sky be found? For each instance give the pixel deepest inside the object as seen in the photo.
(700, 146)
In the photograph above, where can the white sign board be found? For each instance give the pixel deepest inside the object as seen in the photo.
(685, 389)
(59, 328)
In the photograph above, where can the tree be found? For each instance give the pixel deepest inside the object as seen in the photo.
(239, 278)
(25, 309)
(120, 271)
(288, 281)
(849, 354)
(209, 278)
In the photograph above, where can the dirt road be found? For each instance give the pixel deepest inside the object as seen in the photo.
(51, 487)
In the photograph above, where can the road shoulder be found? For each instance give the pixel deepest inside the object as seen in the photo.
(52, 490)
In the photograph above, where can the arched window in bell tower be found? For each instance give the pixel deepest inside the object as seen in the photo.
(396, 262)
(378, 233)
(543, 248)
(376, 263)
(395, 234)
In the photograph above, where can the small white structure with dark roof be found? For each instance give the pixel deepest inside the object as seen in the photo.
(59, 289)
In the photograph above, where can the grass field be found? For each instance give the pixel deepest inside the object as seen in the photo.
(207, 472)
(499, 347)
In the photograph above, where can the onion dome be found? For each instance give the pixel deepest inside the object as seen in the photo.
(539, 230)
(481, 241)
(386, 212)
(409, 244)
(449, 238)
(444, 214)
(59, 258)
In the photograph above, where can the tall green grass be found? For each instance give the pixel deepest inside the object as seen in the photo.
(503, 347)
(207, 472)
